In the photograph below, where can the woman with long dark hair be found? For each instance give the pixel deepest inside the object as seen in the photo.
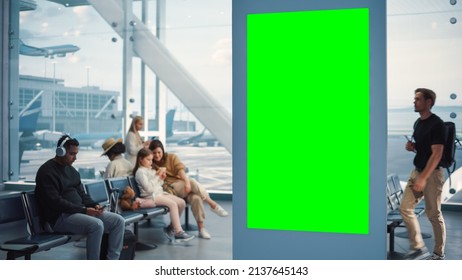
(181, 185)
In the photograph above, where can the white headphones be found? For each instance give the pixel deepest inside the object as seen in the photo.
(60, 150)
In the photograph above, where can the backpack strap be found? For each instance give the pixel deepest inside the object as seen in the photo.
(415, 126)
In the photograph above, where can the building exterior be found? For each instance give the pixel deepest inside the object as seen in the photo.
(68, 109)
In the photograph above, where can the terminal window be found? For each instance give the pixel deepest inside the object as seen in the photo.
(308, 121)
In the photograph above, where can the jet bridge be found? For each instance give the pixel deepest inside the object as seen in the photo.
(157, 57)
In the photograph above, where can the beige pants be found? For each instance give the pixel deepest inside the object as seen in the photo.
(432, 194)
(195, 198)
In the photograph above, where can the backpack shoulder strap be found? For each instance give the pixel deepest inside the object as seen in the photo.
(415, 126)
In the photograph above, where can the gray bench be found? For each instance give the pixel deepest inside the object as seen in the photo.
(116, 186)
(20, 208)
(186, 226)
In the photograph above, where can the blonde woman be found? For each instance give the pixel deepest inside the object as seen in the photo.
(133, 141)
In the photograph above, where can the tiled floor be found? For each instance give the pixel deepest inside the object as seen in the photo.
(453, 223)
(220, 246)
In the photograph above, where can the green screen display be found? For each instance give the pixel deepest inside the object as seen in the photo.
(308, 121)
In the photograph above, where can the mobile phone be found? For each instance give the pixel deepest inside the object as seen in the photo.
(101, 207)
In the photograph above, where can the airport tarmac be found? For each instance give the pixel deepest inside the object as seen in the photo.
(211, 166)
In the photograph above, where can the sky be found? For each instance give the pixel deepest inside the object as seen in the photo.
(423, 50)
(198, 34)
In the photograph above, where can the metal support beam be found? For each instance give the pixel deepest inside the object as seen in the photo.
(4, 87)
(127, 75)
(161, 89)
(13, 114)
(144, 18)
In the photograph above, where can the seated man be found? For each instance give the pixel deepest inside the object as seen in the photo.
(65, 206)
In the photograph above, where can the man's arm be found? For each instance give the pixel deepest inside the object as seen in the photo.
(432, 163)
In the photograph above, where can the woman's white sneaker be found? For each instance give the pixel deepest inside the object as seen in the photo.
(203, 233)
(219, 211)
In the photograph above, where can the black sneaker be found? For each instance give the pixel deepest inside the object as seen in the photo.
(183, 237)
(436, 257)
(417, 254)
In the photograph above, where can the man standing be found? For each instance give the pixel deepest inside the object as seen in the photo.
(65, 206)
(427, 178)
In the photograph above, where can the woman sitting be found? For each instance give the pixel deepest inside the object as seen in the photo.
(187, 188)
(119, 166)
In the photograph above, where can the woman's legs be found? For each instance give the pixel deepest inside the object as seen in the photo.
(198, 189)
(196, 198)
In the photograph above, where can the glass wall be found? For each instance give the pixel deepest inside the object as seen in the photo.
(424, 41)
(71, 68)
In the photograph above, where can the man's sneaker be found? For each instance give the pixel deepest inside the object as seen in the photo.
(183, 237)
(203, 233)
(436, 257)
(169, 232)
(417, 254)
(219, 211)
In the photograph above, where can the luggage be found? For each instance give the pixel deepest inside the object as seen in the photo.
(128, 248)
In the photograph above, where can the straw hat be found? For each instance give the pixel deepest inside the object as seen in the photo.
(109, 143)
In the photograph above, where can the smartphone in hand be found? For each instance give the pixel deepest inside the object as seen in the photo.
(407, 138)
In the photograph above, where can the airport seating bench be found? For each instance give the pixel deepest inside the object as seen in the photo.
(20, 208)
(101, 192)
(116, 187)
(186, 225)
(394, 198)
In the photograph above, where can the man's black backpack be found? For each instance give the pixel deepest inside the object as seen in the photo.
(448, 159)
